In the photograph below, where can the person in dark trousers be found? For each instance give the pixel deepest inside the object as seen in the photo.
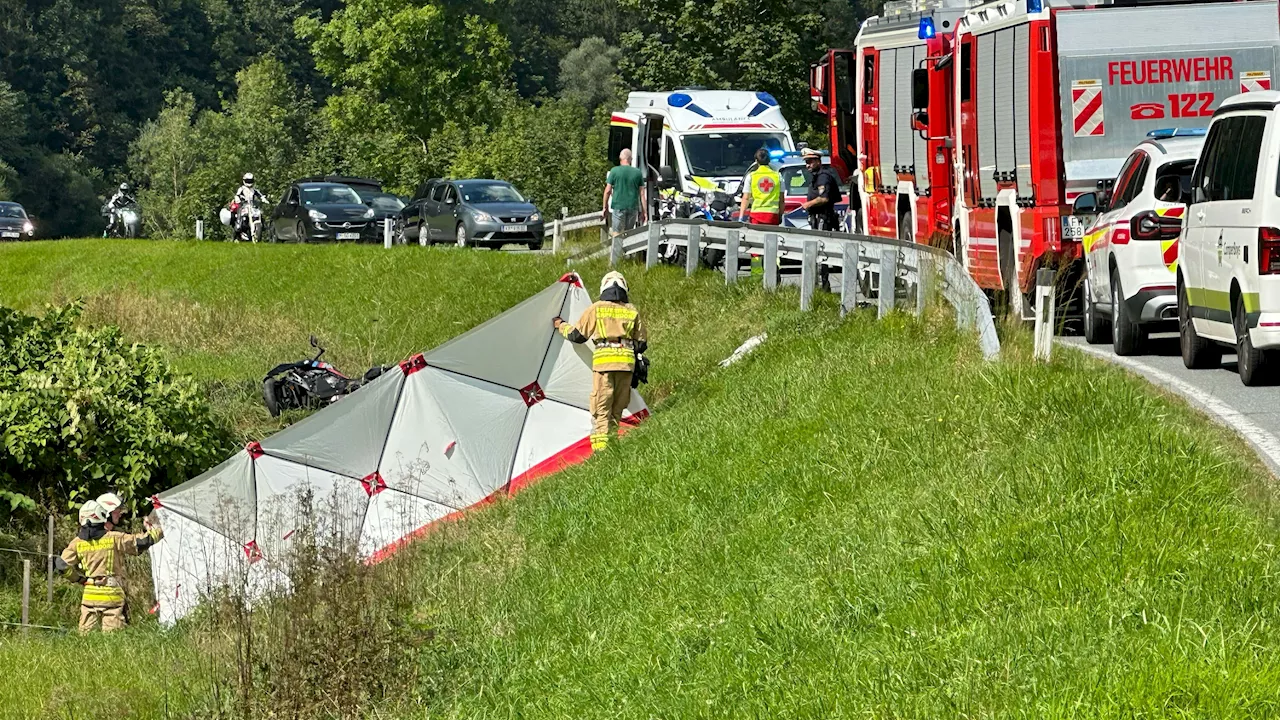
(824, 193)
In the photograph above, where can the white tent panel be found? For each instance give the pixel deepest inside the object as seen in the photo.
(295, 499)
(222, 498)
(552, 429)
(394, 516)
(507, 350)
(562, 377)
(486, 420)
(348, 437)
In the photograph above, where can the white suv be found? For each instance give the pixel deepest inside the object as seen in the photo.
(1131, 249)
(1229, 262)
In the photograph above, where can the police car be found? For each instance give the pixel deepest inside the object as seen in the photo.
(795, 188)
(1131, 248)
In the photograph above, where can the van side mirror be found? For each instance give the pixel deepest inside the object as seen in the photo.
(1085, 204)
(667, 177)
(919, 89)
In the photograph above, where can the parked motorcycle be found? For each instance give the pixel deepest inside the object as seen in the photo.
(711, 203)
(310, 383)
(123, 222)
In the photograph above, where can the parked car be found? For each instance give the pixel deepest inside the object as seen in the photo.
(1228, 277)
(471, 213)
(795, 190)
(14, 222)
(1131, 246)
(385, 205)
(322, 211)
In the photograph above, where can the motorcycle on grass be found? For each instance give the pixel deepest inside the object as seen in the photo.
(310, 383)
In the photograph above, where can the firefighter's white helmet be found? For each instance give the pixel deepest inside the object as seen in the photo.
(613, 278)
(109, 502)
(92, 513)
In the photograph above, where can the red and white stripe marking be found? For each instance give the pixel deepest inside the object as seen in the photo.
(1255, 80)
(1086, 108)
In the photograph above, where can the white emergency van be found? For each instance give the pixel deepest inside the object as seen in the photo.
(710, 134)
(1229, 254)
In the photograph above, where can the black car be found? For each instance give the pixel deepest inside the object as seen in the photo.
(471, 213)
(385, 205)
(14, 223)
(323, 211)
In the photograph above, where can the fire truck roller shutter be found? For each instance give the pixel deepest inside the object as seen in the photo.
(1005, 162)
(906, 159)
(986, 117)
(1021, 109)
(920, 146)
(888, 134)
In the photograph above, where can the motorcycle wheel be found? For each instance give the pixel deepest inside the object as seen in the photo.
(270, 397)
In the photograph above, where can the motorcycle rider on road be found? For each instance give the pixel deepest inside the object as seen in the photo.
(121, 200)
(246, 196)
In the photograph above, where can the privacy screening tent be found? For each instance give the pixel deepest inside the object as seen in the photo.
(485, 413)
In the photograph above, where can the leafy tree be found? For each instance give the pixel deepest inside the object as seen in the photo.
(164, 157)
(83, 411)
(589, 74)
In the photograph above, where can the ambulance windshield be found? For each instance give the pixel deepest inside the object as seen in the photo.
(728, 154)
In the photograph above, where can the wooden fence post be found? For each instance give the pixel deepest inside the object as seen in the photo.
(49, 579)
(26, 594)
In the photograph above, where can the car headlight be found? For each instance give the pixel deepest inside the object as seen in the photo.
(483, 216)
(316, 215)
(28, 228)
(535, 217)
(368, 213)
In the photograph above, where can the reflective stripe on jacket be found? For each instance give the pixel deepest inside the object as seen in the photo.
(614, 329)
(766, 190)
(98, 561)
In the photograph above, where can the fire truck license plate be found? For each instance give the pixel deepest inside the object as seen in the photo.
(515, 228)
(1072, 228)
(348, 236)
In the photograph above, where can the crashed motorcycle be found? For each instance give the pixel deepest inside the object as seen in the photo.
(310, 383)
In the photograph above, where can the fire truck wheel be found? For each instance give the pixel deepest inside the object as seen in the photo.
(1127, 336)
(1197, 353)
(1096, 327)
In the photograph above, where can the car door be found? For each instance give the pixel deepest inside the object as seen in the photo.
(446, 217)
(1194, 247)
(285, 216)
(1234, 215)
(431, 209)
(1098, 238)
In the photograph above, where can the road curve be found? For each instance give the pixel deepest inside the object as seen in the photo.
(1253, 413)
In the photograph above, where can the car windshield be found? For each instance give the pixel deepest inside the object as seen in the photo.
(1173, 181)
(796, 179)
(12, 211)
(384, 202)
(329, 195)
(725, 155)
(490, 193)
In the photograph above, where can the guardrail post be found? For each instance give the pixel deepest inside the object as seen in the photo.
(924, 277)
(770, 261)
(888, 273)
(615, 251)
(557, 235)
(386, 233)
(731, 257)
(808, 273)
(651, 252)
(693, 250)
(199, 229)
(849, 252)
(1045, 310)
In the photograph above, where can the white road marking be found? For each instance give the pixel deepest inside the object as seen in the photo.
(1266, 444)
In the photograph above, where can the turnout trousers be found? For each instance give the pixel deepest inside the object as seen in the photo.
(111, 618)
(610, 393)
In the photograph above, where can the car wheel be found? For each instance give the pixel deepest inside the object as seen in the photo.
(463, 240)
(1127, 336)
(302, 232)
(1255, 366)
(272, 237)
(1096, 327)
(269, 397)
(1197, 352)
(535, 245)
(398, 234)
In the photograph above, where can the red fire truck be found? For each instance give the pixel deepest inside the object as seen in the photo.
(975, 125)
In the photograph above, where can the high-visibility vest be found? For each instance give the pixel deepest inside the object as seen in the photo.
(766, 190)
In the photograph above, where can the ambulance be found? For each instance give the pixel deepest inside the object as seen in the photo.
(693, 138)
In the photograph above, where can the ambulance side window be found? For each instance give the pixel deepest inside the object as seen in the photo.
(869, 78)
(619, 140)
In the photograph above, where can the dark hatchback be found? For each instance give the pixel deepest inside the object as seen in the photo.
(14, 223)
(322, 211)
(472, 213)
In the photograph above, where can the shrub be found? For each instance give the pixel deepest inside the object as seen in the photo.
(83, 411)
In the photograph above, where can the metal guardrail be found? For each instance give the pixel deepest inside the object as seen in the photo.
(562, 225)
(892, 273)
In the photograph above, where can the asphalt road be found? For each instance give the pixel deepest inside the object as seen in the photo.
(1254, 412)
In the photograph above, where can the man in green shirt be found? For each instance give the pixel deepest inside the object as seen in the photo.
(624, 194)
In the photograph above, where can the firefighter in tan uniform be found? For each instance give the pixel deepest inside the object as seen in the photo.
(613, 326)
(95, 559)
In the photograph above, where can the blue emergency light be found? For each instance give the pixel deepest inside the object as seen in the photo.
(1034, 6)
(1166, 133)
(678, 100)
(926, 29)
(767, 99)
(777, 154)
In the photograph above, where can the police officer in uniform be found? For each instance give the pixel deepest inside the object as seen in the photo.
(824, 192)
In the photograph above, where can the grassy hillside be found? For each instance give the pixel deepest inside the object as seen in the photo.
(860, 520)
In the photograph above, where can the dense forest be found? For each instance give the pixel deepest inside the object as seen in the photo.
(180, 97)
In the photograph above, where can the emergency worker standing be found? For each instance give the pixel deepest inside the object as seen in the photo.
(95, 558)
(764, 193)
(613, 326)
(824, 193)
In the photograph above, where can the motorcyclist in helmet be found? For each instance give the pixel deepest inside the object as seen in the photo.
(122, 199)
(246, 195)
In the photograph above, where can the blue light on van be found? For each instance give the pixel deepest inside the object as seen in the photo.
(1034, 6)
(678, 99)
(777, 154)
(926, 29)
(1166, 133)
(767, 99)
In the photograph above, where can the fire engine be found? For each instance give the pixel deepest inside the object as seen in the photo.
(974, 125)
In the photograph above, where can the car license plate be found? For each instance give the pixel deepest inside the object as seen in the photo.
(348, 236)
(1072, 227)
(9, 234)
(515, 228)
